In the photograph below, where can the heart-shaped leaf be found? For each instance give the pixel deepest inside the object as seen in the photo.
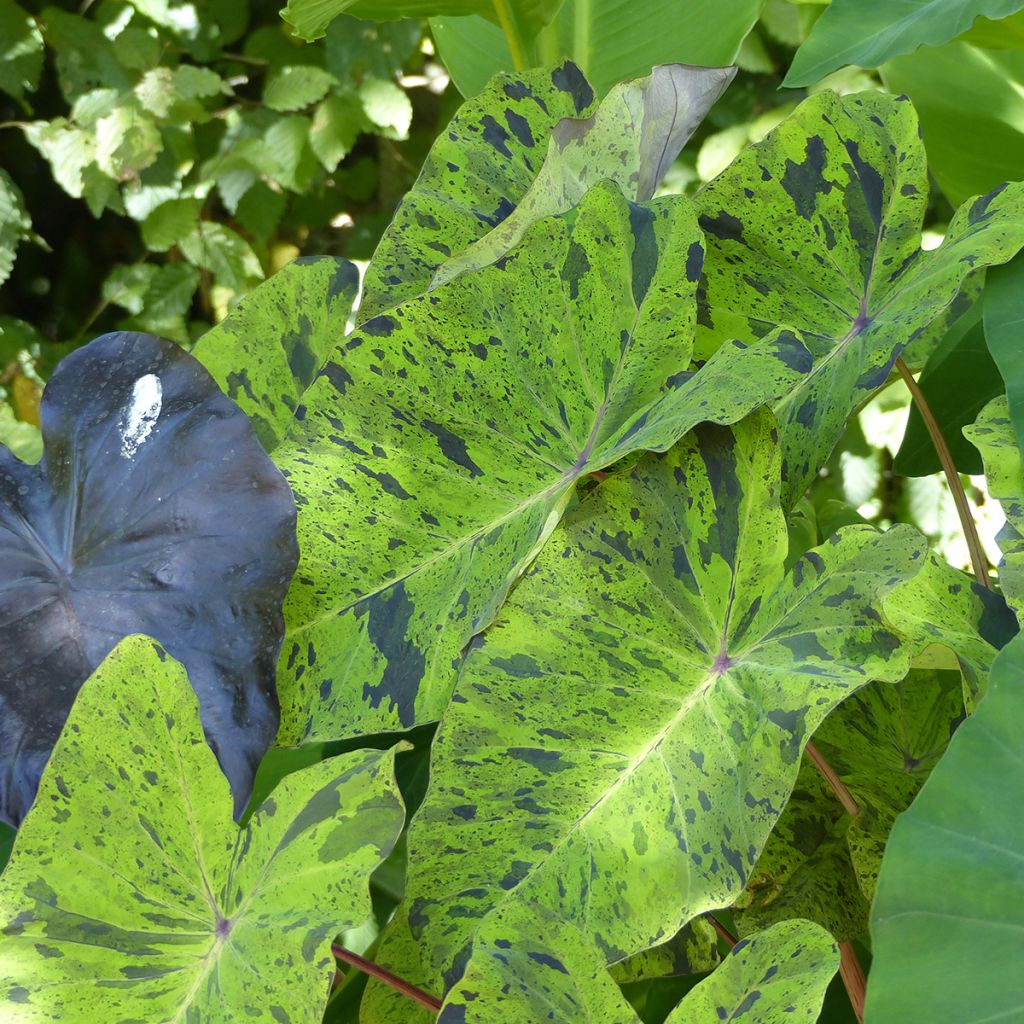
(948, 918)
(439, 447)
(818, 228)
(131, 894)
(154, 509)
(632, 723)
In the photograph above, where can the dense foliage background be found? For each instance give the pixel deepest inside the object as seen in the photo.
(159, 159)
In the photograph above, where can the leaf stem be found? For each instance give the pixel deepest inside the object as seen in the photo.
(723, 933)
(400, 985)
(511, 31)
(836, 784)
(852, 974)
(978, 560)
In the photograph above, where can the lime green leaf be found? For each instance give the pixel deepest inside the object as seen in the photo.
(157, 907)
(192, 82)
(23, 439)
(288, 157)
(631, 139)
(15, 223)
(476, 173)
(993, 435)
(268, 350)
(611, 40)
(831, 248)
(127, 141)
(155, 91)
(958, 379)
(386, 106)
(69, 150)
(632, 723)
(126, 286)
(1003, 314)
(310, 18)
(86, 58)
(21, 50)
(439, 446)
(971, 104)
(692, 950)
(949, 913)
(775, 977)
(297, 86)
(870, 32)
(215, 247)
(336, 125)
(170, 223)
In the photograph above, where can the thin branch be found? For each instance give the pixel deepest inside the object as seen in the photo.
(853, 978)
(963, 508)
(723, 933)
(836, 784)
(400, 985)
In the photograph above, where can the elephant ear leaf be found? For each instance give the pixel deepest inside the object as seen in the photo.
(818, 228)
(776, 976)
(631, 139)
(132, 895)
(657, 667)
(440, 445)
(950, 899)
(154, 509)
(992, 433)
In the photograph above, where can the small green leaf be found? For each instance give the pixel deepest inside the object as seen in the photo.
(21, 50)
(68, 149)
(126, 286)
(228, 256)
(777, 976)
(386, 106)
(994, 436)
(269, 349)
(870, 32)
(131, 894)
(949, 913)
(15, 223)
(336, 125)
(296, 87)
(170, 222)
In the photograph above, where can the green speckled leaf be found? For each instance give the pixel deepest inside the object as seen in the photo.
(942, 605)
(818, 228)
(692, 950)
(131, 895)
(805, 868)
(440, 445)
(777, 976)
(631, 139)
(948, 919)
(268, 349)
(993, 435)
(633, 722)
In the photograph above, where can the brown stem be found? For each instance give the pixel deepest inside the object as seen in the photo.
(599, 476)
(853, 978)
(963, 508)
(836, 784)
(723, 933)
(407, 989)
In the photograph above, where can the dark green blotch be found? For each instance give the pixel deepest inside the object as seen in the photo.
(453, 447)
(568, 78)
(804, 182)
(387, 626)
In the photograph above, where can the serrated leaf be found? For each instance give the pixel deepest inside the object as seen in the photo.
(126, 286)
(468, 183)
(415, 521)
(288, 157)
(295, 87)
(192, 82)
(131, 894)
(155, 91)
(67, 149)
(260, 210)
(831, 248)
(269, 349)
(310, 18)
(777, 976)
(631, 139)
(170, 223)
(127, 141)
(949, 913)
(336, 124)
(154, 508)
(870, 32)
(86, 58)
(169, 294)
(655, 668)
(15, 223)
(993, 435)
(386, 106)
(229, 257)
(21, 51)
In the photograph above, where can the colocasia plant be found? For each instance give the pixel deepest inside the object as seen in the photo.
(544, 499)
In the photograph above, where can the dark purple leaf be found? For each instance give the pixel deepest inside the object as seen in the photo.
(154, 510)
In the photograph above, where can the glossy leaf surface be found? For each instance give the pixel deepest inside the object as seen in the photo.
(154, 509)
(818, 228)
(656, 667)
(948, 919)
(438, 448)
(132, 895)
